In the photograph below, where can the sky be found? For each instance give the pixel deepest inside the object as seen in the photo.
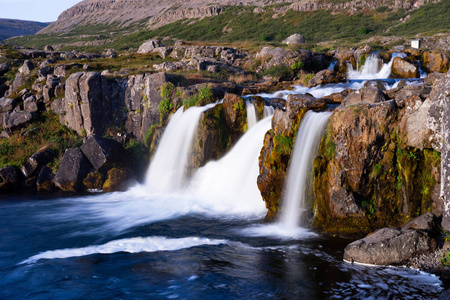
(34, 10)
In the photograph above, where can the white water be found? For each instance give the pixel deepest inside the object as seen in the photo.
(131, 245)
(305, 149)
(268, 111)
(251, 115)
(167, 170)
(370, 70)
(229, 184)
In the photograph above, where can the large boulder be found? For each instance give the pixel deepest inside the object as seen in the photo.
(390, 246)
(72, 170)
(235, 111)
(44, 182)
(436, 62)
(27, 67)
(404, 69)
(16, 118)
(294, 39)
(103, 153)
(7, 105)
(324, 77)
(116, 180)
(149, 46)
(9, 179)
(37, 161)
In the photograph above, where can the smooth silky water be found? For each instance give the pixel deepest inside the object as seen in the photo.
(186, 238)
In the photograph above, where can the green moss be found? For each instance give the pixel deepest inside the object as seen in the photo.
(283, 145)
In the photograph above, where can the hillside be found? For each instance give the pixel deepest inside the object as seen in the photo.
(10, 28)
(94, 25)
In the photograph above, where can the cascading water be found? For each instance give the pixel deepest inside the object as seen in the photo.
(268, 111)
(370, 70)
(305, 149)
(251, 115)
(230, 183)
(167, 169)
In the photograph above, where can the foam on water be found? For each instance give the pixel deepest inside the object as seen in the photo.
(277, 230)
(132, 245)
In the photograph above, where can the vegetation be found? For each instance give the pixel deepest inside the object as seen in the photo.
(204, 97)
(279, 72)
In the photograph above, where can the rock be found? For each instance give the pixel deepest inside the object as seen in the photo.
(276, 57)
(19, 81)
(109, 53)
(48, 48)
(116, 180)
(27, 67)
(7, 105)
(94, 181)
(432, 78)
(5, 134)
(235, 111)
(436, 62)
(398, 49)
(403, 69)
(390, 246)
(30, 104)
(427, 222)
(363, 50)
(372, 95)
(72, 170)
(4, 67)
(324, 77)
(103, 153)
(44, 71)
(297, 102)
(9, 179)
(37, 161)
(294, 39)
(337, 98)
(16, 118)
(44, 182)
(149, 46)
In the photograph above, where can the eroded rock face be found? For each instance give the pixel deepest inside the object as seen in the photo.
(390, 246)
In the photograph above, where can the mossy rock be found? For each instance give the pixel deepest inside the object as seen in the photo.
(116, 179)
(94, 181)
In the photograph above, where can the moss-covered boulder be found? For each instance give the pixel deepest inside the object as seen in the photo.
(116, 179)
(93, 181)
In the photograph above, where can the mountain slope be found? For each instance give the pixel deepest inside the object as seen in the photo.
(10, 28)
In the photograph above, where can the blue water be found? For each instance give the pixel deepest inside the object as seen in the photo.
(211, 256)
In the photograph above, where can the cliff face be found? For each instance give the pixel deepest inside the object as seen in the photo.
(158, 13)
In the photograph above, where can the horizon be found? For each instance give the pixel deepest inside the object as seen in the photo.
(32, 10)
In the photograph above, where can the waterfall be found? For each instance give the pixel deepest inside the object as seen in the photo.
(305, 150)
(251, 115)
(229, 184)
(332, 65)
(268, 111)
(370, 70)
(167, 169)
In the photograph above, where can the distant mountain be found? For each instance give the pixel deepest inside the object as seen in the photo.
(10, 28)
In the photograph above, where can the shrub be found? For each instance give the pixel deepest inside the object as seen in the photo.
(297, 66)
(205, 95)
(279, 71)
(362, 31)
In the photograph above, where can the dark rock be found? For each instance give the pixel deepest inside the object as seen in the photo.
(297, 102)
(103, 153)
(109, 53)
(44, 182)
(16, 118)
(427, 222)
(337, 98)
(94, 181)
(390, 246)
(48, 48)
(4, 67)
(44, 71)
(37, 161)
(9, 179)
(72, 170)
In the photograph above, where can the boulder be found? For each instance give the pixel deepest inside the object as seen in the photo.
(48, 48)
(72, 170)
(297, 102)
(103, 153)
(436, 62)
(30, 104)
(37, 161)
(404, 69)
(19, 81)
(7, 105)
(390, 246)
(4, 67)
(9, 179)
(27, 67)
(235, 111)
(428, 222)
(94, 181)
(44, 182)
(324, 77)
(372, 95)
(294, 39)
(109, 53)
(16, 118)
(149, 46)
(116, 180)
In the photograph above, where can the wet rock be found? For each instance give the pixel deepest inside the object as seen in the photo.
(94, 181)
(103, 153)
(72, 170)
(390, 246)
(297, 102)
(235, 111)
(37, 161)
(116, 180)
(44, 182)
(9, 179)
(324, 77)
(403, 69)
(337, 98)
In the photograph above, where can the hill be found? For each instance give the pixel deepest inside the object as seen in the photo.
(10, 28)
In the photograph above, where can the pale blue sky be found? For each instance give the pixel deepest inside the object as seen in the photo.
(34, 10)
